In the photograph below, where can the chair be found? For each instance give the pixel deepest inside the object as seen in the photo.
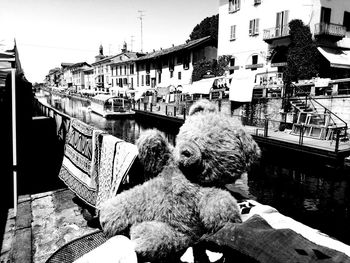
(77, 248)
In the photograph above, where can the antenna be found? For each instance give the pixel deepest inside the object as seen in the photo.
(131, 42)
(141, 17)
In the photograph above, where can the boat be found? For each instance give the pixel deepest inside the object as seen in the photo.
(109, 106)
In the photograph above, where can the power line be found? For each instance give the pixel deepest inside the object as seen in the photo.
(56, 47)
(141, 17)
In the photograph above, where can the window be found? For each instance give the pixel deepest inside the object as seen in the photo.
(148, 68)
(232, 64)
(346, 21)
(132, 82)
(233, 32)
(125, 81)
(179, 75)
(159, 77)
(281, 23)
(171, 74)
(148, 80)
(254, 61)
(234, 5)
(257, 2)
(124, 69)
(112, 82)
(171, 64)
(325, 15)
(186, 61)
(254, 27)
(131, 68)
(142, 80)
(179, 59)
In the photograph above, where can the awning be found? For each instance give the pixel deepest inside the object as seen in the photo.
(336, 57)
(202, 86)
(241, 88)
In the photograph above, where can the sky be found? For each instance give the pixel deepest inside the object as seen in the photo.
(49, 32)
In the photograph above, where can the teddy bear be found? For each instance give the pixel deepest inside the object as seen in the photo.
(182, 198)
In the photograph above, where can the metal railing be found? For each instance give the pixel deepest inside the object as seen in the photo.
(276, 32)
(62, 120)
(330, 29)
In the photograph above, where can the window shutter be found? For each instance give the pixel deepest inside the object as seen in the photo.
(256, 29)
(238, 4)
(233, 32)
(251, 25)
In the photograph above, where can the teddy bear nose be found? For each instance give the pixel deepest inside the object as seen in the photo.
(189, 157)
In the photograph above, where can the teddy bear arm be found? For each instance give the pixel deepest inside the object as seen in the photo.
(119, 213)
(216, 208)
(156, 240)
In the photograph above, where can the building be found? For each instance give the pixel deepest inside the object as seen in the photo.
(173, 66)
(54, 78)
(66, 75)
(250, 29)
(89, 79)
(123, 70)
(78, 79)
(101, 74)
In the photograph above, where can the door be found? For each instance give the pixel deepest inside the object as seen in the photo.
(325, 15)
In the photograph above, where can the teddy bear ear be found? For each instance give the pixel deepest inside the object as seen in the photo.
(202, 105)
(154, 152)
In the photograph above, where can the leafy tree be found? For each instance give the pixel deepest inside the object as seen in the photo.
(208, 27)
(302, 55)
(216, 67)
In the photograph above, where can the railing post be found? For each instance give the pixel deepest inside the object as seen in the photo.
(144, 106)
(337, 141)
(150, 109)
(139, 102)
(219, 104)
(166, 110)
(184, 113)
(266, 127)
(174, 111)
(301, 136)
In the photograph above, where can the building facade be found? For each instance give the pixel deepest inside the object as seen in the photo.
(173, 66)
(250, 29)
(78, 75)
(123, 70)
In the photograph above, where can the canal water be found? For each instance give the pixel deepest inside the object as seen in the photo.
(305, 189)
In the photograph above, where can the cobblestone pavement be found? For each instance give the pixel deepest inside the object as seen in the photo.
(55, 221)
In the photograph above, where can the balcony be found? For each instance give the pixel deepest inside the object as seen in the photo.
(274, 33)
(332, 31)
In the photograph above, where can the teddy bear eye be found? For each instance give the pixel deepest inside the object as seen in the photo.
(186, 153)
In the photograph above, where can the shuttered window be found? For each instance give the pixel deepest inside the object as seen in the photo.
(233, 32)
(254, 27)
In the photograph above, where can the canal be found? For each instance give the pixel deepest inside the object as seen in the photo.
(305, 189)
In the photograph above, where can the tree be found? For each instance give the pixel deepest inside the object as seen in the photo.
(216, 67)
(302, 55)
(208, 27)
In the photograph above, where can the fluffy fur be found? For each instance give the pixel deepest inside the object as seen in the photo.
(171, 211)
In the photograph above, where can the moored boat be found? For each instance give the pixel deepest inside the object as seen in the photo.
(108, 106)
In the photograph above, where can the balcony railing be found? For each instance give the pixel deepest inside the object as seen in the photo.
(332, 30)
(275, 33)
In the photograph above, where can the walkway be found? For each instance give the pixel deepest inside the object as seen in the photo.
(44, 223)
(282, 139)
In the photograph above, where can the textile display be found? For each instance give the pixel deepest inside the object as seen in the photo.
(80, 161)
(117, 156)
(268, 236)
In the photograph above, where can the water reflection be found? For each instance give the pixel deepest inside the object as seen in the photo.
(303, 189)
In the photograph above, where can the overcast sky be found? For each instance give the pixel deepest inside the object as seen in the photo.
(49, 32)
